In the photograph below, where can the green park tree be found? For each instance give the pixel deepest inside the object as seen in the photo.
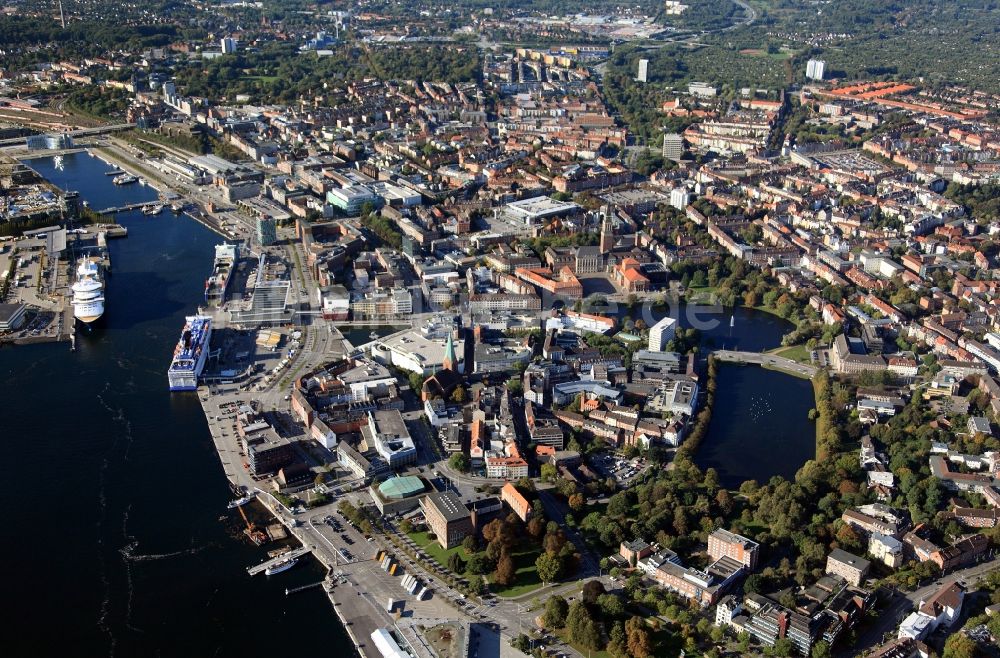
(556, 610)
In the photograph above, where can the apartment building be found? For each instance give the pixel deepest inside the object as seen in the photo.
(848, 566)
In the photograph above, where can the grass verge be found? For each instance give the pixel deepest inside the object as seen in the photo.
(527, 579)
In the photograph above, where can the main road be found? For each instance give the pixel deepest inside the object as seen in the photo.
(79, 132)
(769, 361)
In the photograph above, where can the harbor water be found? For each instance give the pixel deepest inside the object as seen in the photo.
(117, 539)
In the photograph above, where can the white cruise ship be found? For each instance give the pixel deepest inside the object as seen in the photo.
(190, 354)
(88, 292)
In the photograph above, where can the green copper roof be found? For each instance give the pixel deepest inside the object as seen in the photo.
(401, 487)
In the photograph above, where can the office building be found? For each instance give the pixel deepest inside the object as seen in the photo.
(12, 316)
(506, 468)
(723, 543)
(848, 356)
(383, 303)
(386, 432)
(228, 46)
(673, 146)
(815, 69)
(662, 333)
(266, 451)
(352, 198)
(447, 518)
(52, 142)
(266, 231)
(702, 89)
(702, 587)
(643, 70)
(370, 467)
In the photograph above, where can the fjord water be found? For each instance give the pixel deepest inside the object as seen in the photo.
(116, 537)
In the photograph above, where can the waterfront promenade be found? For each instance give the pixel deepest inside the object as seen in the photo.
(362, 588)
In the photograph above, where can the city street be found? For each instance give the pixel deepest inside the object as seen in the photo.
(891, 615)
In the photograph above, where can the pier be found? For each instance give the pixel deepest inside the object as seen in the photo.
(296, 553)
(111, 230)
(127, 207)
(295, 590)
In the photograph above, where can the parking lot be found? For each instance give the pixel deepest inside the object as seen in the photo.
(41, 284)
(611, 464)
(349, 542)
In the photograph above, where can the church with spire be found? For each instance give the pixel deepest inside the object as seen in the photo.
(443, 382)
(450, 360)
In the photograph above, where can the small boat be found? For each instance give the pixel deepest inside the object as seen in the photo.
(153, 209)
(373, 335)
(124, 179)
(732, 321)
(240, 502)
(282, 565)
(177, 207)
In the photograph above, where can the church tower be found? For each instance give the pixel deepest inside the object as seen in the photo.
(449, 361)
(607, 235)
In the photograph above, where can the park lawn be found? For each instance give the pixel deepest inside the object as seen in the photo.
(700, 294)
(798, 353)
(766, 309)
(752, 528)
(527, 579)
(432, 548)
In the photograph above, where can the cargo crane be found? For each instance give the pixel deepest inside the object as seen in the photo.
(257, 536)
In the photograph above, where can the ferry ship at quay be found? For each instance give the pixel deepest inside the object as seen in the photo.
(88, 292)
(125, 179)
(226, 256)
(190, 354)
(284, 565)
